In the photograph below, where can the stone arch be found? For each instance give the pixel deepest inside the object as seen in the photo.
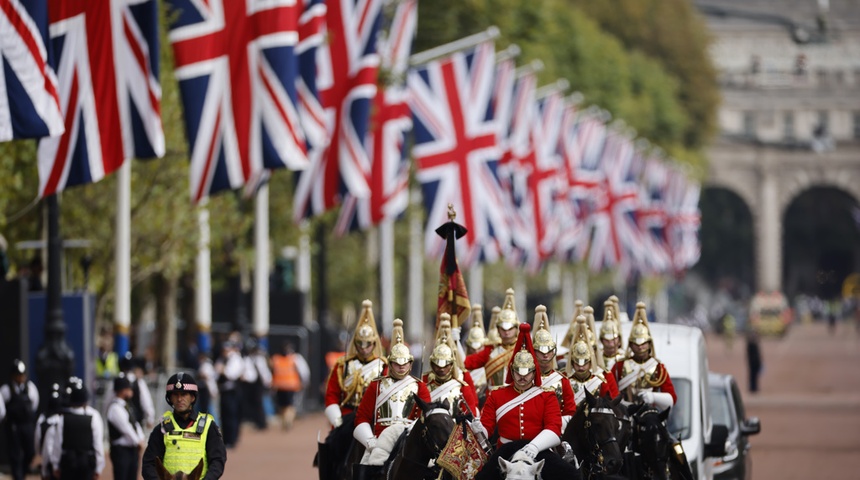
(747, 195)
(844, 179)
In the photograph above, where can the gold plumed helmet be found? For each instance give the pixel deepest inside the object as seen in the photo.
(399, 352)
(609, 329)
(493, 337)
(524, 360)
(581, 351)
(508, 314)
(443, 354)
(640, 332)
(568, 337)
(476, 338)
(365, 331)
(542, 339)
(616, 306)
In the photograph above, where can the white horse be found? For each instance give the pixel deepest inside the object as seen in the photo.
(520, 470)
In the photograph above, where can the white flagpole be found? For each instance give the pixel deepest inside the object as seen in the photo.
(416, 269)
(476, 287)
(204, 281)
(419, 58)
(122, 311)
(386, 273)
(261, 264)
(520, 297)
(568, 294)
(303, 272)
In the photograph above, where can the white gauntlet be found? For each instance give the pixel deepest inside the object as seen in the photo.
(332, 413)
(364, 435)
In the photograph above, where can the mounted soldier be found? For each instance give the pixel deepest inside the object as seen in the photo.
(476, 340)
(552, 380)
(446, 379)
(388, 403)
(610, 337)
(584, 369)
(495, 357)
(345, 387)
(642, 378)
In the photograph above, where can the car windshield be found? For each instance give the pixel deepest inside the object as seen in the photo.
(721, 410)
(680, 419)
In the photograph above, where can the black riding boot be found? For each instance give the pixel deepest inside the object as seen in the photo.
(366, 472)
(326, 462)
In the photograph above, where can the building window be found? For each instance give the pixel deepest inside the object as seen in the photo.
(749, 125)
(788, 126)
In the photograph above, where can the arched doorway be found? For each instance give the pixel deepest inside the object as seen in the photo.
(821, 242)
(727, 260)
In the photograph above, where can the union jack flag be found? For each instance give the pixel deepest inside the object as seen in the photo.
(346, 77)
(616, 240)
(652, 215)
(456, 149)
(684, 220)
(390, 121)
(237, 67)
(545, 179)
(582, 140)
(29, 102)
(106, 63)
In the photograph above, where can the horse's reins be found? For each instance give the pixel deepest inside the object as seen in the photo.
(597, 450)
(649, 472)
(427, 443)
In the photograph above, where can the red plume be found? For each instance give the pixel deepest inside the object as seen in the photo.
(524, 341)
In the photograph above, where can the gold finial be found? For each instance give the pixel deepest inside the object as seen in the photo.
(452, 214)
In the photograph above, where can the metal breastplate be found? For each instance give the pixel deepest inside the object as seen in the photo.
(631, 367)
(452, 395)
(611, 361)
(398, 406)
(555, 387)
(355, 382)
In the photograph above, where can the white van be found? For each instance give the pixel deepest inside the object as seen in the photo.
(682, 350)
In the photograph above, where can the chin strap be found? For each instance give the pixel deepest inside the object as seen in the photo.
(332, 413)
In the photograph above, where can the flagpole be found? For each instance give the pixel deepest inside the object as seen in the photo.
(416, 264)
(568, 293)
(513, 51)
(559, 85)
(122, 252)
(476, 285)
(203, 297)
(386, 270)
(420, 58)
(520, 296)
(261, 266)
(303, 272)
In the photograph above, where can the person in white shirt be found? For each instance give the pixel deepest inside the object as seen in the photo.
(230, 368)
(133, 368)
(125, 433)
(48, 420)
(75, 445)
(21, 401)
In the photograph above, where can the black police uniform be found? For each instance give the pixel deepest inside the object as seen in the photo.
(20, 428)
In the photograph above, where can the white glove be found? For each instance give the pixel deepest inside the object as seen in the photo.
(525, 454)
(661, 400)
(565, 419)
(455, 334)
(647, 397)
(332, 413)
(371, 444)
(477, 427)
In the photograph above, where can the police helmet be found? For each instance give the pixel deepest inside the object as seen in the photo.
(18, 367)
(181, 382)
(77, 392)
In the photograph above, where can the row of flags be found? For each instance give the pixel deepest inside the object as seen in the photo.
(326, 88)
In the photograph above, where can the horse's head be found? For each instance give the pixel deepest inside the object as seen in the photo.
(435, 425)
(651, 438)
(592, 434)
(520, 470)
(163, 474)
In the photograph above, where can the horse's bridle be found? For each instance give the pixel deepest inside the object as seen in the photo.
(429, 444)
(597, 466)
(637, 441)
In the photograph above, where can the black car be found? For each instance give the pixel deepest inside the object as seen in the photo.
(727, 408)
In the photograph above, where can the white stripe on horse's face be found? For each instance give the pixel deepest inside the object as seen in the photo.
(520, 470)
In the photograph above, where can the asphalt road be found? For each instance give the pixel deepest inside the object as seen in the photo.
(808, 403)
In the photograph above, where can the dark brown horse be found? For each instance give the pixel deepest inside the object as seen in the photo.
(163, 474)
(591, 434)
(651, 442)
(424, 442)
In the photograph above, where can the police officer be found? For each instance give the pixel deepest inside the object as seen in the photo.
(21, 399)
(124, 430)
(184, 438)
(75, 447)
(47, 420)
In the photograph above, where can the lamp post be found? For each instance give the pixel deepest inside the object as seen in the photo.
(55, 358)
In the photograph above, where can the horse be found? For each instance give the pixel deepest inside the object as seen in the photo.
(520, 470)
(651, 442)
(591, 433)
(163, 474)
(339, 451)
(423, 443)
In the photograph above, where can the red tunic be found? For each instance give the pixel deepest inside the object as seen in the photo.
(567, 402)
(367, 410)
(525, 421)
(667, 386)
(479, 358)
(610, 386)
(467, 391)
(334, 394)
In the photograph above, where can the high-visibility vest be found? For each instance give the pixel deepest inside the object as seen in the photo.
(331, 359)
(285, 374)
(184, 447)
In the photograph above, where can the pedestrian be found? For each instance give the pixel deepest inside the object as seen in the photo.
(21, 401)
(208, 384)
(754, 362)
(184, 439)
(257, 381)
(47, 420)
(124, 430)
(75, 446)
(290, 375)
(229, 368)
(134, 370)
